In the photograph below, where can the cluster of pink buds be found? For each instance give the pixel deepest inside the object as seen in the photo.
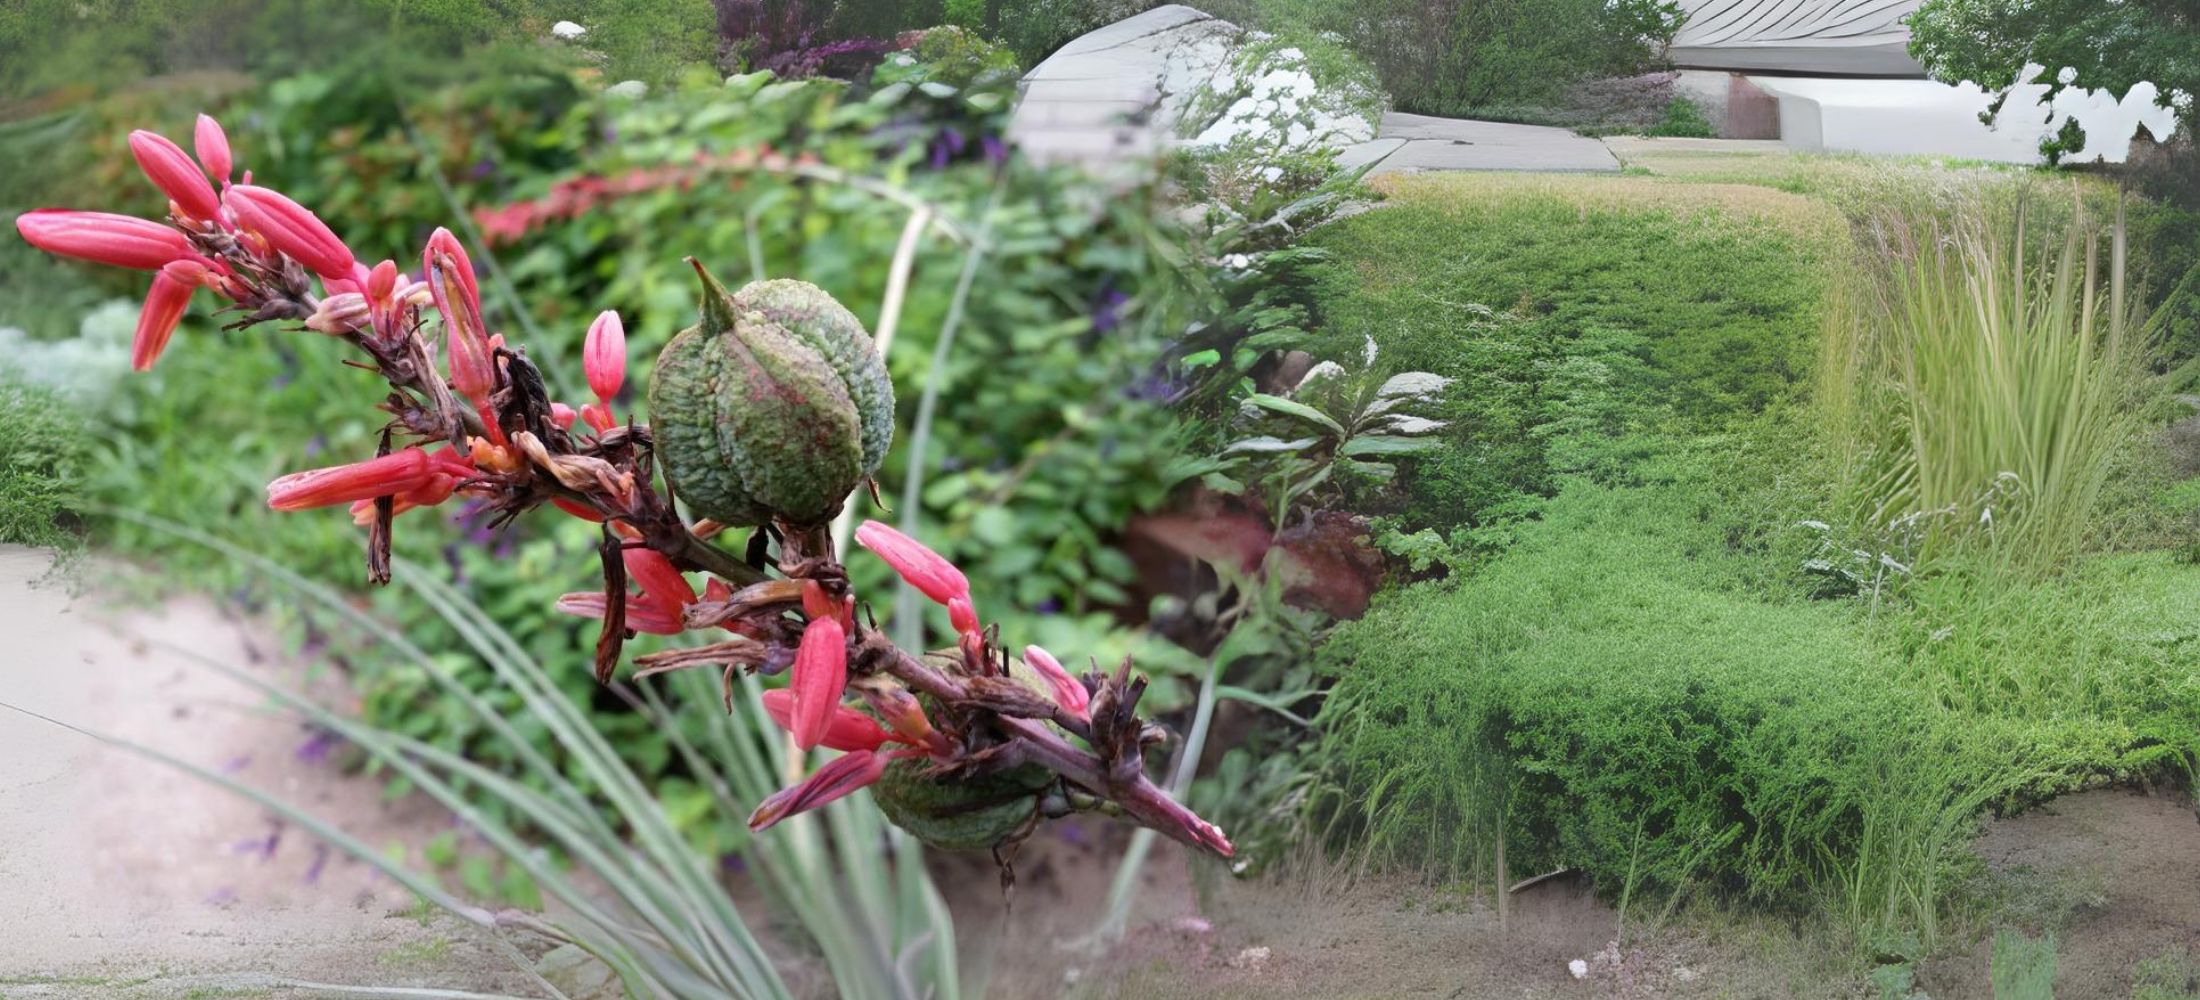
(475, 418)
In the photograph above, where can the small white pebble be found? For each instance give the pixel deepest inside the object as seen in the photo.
(567, 29)
(1579, 968)
(627, 88)
(1250, 958)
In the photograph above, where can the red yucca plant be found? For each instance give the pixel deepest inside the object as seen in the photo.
(769, 414)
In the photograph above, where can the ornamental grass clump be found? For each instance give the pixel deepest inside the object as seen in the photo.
(1980, 358)
(768, 414)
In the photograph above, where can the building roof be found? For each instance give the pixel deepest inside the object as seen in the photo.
(1819, 37)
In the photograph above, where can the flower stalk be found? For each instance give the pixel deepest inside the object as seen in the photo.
(967, 746)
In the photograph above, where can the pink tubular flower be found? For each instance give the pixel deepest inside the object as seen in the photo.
(604, 356)
(164, 306)
(848, 730)
(291, 229)
(175, 174)
(660, 580)
(212, 145)
(642, 614)
(925, 569)
(442, 244)
(839, 776)
(820, 672)
(1068, 692)
(905, 716)
(458, 298)
(393, 474)
(562, 415)
(381, 282)
(103, 238)
(962, 616)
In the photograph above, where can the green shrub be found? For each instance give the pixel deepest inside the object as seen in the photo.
(41, 454)
(1614, 698)
(1576, 321)
(1684, 118)
(65, 44)
(1636, 688)
(1459, 57)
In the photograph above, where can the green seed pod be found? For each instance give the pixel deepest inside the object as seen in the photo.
(775, 405)
(961, 815)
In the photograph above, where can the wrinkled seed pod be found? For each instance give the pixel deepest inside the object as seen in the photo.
(962, 814)
(775, 405)
(959, 814)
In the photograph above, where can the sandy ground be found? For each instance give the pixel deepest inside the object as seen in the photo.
(124, 878)
(2115, 874)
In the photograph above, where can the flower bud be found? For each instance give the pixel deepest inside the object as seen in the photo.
(839, 777)
(603, 358)
(291, 229)
(175, 174)
(1068, 691)
(819, 675)
(164, 306)
(923, 568)
(212, 145)
(103, 238)
(340, 314)
(397, 472)
(847, 730)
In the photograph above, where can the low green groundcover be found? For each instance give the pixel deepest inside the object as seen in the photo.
(1627, 691)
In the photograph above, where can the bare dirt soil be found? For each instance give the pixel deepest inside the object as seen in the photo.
(2115, 874)
(123, 878)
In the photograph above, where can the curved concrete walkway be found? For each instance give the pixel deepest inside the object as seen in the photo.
(1420, 142)
(1111, 96)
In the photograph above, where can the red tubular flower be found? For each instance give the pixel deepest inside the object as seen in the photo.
(962, 616)
(174, 172)
(604, 356)
(458, 299)
(642, 614)
(848, 730)
(442, 244)
(381, 282)
(563, 416)
(839, 776)
(598, 416)
(212, 145)
(905, 716)
(579, 510)
(393, 474)
(660, 580)
(1068, 692)
(818, 603)
(925, 569)
(820, 672)
(164, 306)
(103, 238)
(291, 229)
(438, 490)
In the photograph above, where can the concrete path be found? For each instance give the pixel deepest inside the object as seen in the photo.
(121, 878)
(1420, 142)
(1108, 98)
